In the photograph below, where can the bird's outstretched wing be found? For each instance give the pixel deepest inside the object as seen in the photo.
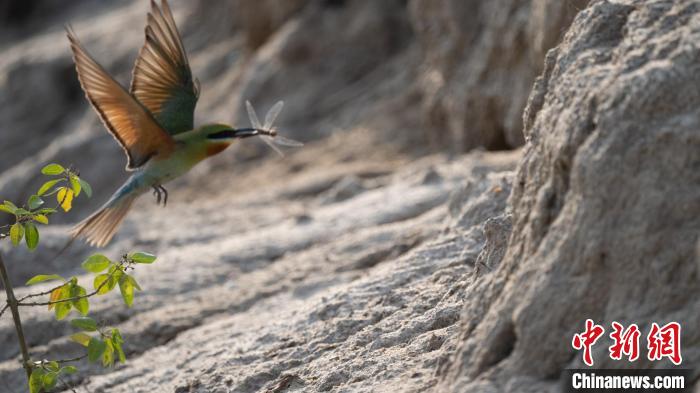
(129, 122)
(162, 79)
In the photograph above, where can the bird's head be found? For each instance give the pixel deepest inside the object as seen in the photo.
(219, 136)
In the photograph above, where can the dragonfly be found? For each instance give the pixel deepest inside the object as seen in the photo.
(266, 131)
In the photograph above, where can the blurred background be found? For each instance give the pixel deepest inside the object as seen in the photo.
(414, 77)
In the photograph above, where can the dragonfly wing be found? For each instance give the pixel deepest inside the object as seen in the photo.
(270, 142)
(270, 118)
(282, 141)
(272, 114)
(252, 115)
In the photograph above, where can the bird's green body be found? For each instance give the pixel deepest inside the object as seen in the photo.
(191, 148)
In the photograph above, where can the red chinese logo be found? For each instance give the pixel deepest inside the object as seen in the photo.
(625, 342)
(665, 342)
(662, 342)
(586, 339)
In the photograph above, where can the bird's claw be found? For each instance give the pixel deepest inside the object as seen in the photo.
(156, 193)
(160, 193)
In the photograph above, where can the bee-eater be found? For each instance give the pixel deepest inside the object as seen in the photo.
(153, 121)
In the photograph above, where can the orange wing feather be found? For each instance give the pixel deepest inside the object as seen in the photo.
(127, 120)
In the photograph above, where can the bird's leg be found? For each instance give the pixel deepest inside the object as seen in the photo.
(156, 193)
(165, 195)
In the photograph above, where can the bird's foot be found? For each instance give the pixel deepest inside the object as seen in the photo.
(165, 195)
(157, 194)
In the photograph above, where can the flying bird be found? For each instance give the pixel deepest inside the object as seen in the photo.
(154, 121)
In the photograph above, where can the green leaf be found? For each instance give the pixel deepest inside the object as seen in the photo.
(52, 366)
(46, 210)
(86, 187)
(142, 257)
(63, 308)
(133, 281)
(49, 380)
(108, 355)
(65, 198)
(96, 348)
(41, 219)
(55, 295)
(34, 202)
(68, 369)
(81, 338)
(98, 284)
(117, 341)
(75, 185)
(10, 205)
(31, 235)
(52, 169)
(43, 277)
(96, 263)
(47, 186)
(117, 336)
(126, 287)
(115, 273)
(36, 380)
(22, 212)
(82, 304)
(7, 209)
(85, 323)
(16, 233)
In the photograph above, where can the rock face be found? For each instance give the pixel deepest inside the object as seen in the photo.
(605, 202)
(479, 60)
(339, 60)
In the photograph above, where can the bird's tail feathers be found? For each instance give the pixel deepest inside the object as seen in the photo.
(100, 227)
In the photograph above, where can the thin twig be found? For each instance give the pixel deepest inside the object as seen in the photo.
(93, 293)
(75, 359)
(5, 308)
(25, 297)
(64, 383)
(48, 292)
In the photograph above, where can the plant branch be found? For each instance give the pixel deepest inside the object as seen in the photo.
(47, 292)
(25, 297)
(75, 359)
(70, 299)
(12, 303)
(4, 308)
(64, 383)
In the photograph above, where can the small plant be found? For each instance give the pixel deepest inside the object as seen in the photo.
(102, 344)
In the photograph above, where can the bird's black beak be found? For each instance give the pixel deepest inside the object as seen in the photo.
(234, 133)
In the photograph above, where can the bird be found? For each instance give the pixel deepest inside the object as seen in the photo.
(153, 121)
